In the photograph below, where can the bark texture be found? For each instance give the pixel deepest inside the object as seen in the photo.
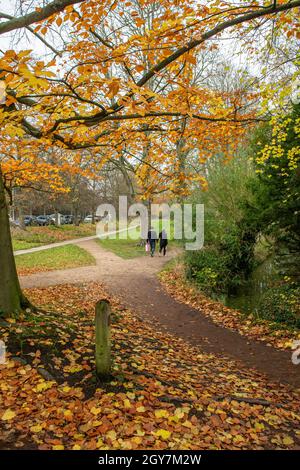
(12, 300)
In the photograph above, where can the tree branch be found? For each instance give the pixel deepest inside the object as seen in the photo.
(38, 15)
(213, 32)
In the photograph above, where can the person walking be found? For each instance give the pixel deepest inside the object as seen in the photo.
(152, 238)
(163, 242)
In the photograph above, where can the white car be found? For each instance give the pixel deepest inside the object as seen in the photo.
(88, 219)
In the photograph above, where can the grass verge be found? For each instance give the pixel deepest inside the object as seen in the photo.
(37, 236)
(126, 249)
(62, 257)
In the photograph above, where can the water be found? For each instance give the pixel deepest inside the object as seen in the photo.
(248, 294)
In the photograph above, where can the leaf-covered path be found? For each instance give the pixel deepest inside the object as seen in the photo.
(136, 285)
(163, 392)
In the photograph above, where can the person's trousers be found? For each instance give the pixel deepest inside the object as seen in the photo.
(152, 247)
(163, 249)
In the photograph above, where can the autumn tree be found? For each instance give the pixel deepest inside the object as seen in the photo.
(95, 93)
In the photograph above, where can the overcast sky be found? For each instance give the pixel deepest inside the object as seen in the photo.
(19, 40)
(23, 39)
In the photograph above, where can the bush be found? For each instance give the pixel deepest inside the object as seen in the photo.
(207, 268)
(220, 268)
(228, 255)
(281, 305)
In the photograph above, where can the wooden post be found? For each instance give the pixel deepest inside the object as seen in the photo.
(102, 324)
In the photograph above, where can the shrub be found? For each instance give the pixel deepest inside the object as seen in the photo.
(207, 268)
(280, 304)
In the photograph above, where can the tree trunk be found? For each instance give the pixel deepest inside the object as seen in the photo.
(12, 300)
(76, 218)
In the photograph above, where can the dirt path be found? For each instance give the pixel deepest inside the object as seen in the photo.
(135, 283)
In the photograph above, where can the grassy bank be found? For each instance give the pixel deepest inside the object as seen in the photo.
(63, 257)
(37, 236)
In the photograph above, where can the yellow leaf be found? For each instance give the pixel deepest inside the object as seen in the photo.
(137, 440)
(68, 414)
(75, 368)
(288, 441)
(187, 424)
(96, 423)
(43, 386)
(161, 413)
(259, 426)
(111, 435)
(58, 447)
(99, 443)
(37, 428)
(141, 409)
(179, 413)
(95, 410)
(8, 415)
(127, 403)
(163, 433)
(76, 447)
(238, 438)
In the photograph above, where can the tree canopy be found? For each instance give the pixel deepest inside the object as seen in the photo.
(133, 79)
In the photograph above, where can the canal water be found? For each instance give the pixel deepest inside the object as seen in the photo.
(247, 296)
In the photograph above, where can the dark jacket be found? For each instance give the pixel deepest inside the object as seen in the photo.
(152, 236)
(163, 238)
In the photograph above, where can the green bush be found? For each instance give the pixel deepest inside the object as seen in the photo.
(281, 305)
(207, 268)
(220, 268)
(228, 254)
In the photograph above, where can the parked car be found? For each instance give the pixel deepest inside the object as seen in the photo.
(29, 220)
(69, 219)
(88, 219)
(42, 220)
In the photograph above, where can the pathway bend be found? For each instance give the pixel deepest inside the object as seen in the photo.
(135, 283)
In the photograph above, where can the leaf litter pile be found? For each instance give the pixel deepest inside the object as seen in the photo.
(163, 393)
(247, 325)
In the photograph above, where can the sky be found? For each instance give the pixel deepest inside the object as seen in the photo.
(19, 40)
(23, 39)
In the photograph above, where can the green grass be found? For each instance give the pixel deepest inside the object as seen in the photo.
(37, 236)
(128, 249)
(24, 245)
(62, 257)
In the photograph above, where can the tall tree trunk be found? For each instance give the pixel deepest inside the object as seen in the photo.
(76, 215)
(12, 300)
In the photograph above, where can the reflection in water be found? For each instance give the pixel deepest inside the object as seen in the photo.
(247, 296)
